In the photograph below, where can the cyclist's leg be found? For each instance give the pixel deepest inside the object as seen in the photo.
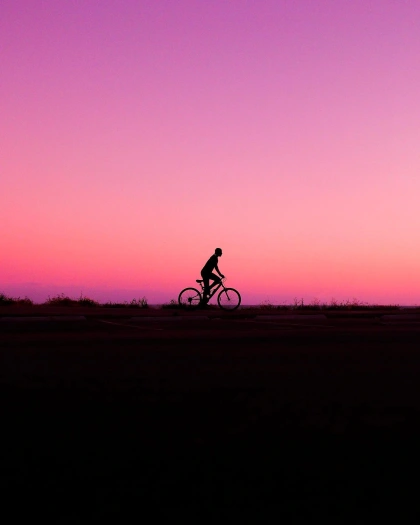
(206, 281)
(216, 280)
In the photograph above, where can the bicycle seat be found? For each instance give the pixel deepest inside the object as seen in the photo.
(199, 280)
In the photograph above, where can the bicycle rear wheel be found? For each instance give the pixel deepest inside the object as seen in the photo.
(229, 299)
(189, 298)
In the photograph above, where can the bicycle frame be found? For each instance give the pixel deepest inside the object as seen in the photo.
(213, 288)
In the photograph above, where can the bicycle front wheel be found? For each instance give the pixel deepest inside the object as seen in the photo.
(229, 299)
(189, 298)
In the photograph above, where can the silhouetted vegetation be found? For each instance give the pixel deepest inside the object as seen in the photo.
(316, 304)
(134, 303)
(267, 305)
(86, 301)
(9, 301)
(298, 304)
(64, 300)
(173, 304)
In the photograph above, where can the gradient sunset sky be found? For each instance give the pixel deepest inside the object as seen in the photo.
(138, 135)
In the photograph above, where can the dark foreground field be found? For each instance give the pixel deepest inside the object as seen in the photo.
(212, 420)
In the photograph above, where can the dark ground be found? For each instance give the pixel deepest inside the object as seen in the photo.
(218, 420)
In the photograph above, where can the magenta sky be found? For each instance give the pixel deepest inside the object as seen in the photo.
(138, 135)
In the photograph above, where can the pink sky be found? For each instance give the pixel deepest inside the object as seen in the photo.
(138, 135)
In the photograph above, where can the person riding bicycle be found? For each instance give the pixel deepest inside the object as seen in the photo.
(207, 272)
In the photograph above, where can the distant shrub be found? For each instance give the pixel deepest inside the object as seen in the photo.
(134, 303)
(5, 300)
(24, 302)
(315, 304)
(298, 304)
(266, 305)
(140, 303)
(115, 305)
(348, 305)
(65, 300)
(8, 301)
(60, 300)
(173, 304)
(86, 301)
(334, 304)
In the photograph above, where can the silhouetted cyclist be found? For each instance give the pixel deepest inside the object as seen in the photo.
(207, 272)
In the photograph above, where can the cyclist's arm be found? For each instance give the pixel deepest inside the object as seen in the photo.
(218, 271)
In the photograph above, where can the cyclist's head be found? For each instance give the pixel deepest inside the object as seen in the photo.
(218, 251)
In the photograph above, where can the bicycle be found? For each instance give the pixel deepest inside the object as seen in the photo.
(228, 298)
